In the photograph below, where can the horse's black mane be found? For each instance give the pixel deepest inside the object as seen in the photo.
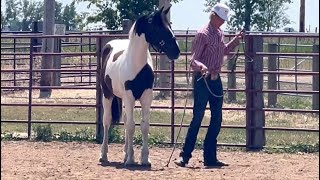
(142, 22)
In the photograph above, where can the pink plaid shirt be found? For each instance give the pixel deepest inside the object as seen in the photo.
(209, 48)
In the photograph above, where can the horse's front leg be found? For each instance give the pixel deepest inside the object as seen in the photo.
(146, 100)
(130, 127)
(106, 125)
(125, 150)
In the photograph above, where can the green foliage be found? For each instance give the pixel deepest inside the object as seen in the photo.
(43, 133)
(294, 102)
(305, 148)
(19, 15)
(296, 148)
(69, 17)
(3, 20)
(112, 12)
(7, 136)
(264, 15)
(58, 12)
(115, 135)
(270, 15)
(30, 11)
(11, 13)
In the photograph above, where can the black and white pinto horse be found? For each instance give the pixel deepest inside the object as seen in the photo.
(127, 75)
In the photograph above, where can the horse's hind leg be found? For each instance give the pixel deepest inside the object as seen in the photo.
(107, 117)
(146, 100)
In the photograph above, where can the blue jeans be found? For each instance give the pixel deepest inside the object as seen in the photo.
(201, 97)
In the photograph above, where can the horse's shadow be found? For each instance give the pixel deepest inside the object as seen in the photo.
(121, 165)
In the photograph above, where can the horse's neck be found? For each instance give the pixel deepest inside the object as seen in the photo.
(138, 51)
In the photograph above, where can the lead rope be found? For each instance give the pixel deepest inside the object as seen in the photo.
(183, 114)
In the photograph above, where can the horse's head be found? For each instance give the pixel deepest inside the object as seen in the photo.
(158, 33)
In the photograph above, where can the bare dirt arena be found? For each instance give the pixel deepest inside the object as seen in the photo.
(57, 160)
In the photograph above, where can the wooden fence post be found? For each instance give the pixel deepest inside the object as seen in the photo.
(232, 83)
(59, 29)
(164, 63)
(47, 47)
(99, 108)
(255, 117)
(315, 78)
(126, 26)
(272, 78)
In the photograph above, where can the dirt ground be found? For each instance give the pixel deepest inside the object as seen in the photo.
(57, 160)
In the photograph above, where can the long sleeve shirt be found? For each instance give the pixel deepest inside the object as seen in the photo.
(209, 48)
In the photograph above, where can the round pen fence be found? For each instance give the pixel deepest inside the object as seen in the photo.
(272, 74)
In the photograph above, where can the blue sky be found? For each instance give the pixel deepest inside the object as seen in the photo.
(190, 14)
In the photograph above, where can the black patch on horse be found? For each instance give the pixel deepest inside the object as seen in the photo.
(144, 80)
(105, 81)
(106, 84)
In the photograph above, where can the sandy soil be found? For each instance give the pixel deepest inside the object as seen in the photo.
(57, 160)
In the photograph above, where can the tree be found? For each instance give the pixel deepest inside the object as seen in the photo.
(80, 20)
(21, 14)
(271, 16)
(30, 12)
(3, 21)
(69, 17)
(58, 17)
(258, 15)
(11, 14)
(112, 12)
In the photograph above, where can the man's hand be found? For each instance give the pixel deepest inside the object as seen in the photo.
(240, 34)
(204, 70)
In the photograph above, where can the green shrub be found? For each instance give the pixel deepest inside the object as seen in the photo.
(43, 133)
(115, 135)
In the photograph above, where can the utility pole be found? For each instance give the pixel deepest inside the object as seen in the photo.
(302, 16)
(47, 47)
(247, 13)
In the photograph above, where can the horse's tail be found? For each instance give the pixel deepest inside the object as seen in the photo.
(116, 109)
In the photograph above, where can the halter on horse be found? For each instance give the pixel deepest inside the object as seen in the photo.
(127, 75)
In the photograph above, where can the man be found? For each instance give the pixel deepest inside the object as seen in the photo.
(208, 50)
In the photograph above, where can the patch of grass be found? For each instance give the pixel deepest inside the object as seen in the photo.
(295, 148)
(62, 132)
(43, 133)
(293, 102)
(116, 135)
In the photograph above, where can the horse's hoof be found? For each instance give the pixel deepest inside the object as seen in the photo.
(103, 160)
(146, 164)
(129, 163)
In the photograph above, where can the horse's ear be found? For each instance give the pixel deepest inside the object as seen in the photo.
(167, 10)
